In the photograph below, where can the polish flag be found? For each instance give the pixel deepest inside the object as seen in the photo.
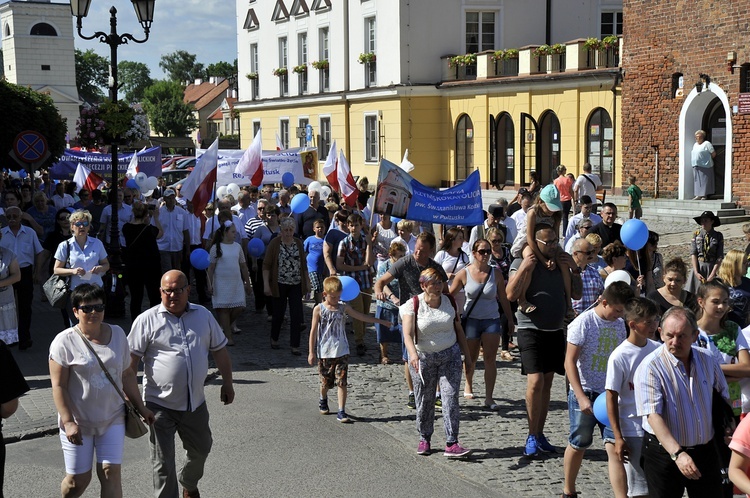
(279, 143)
(330, 168)
(133, 165)
(251, 162)
(84, 178)
(200, 184)
(349, 189)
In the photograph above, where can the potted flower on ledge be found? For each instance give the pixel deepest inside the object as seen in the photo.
(366, 58)
(506, 62)
(320, 64)
(608, 51)
(252, 76)
(556, 58)
(280, 72)
(302, 68)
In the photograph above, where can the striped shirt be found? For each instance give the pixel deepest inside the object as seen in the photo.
(684, 401)
(252, 225)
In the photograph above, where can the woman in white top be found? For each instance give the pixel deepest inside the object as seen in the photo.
(81, 257)
(702, 160)
(386, 231)
(91, 416)
(406, 236)
(453, 259)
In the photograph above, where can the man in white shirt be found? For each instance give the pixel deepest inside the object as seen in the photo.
(174, 242)
(586, 184)
(245, 208)
(60, 198)
(587, 208)
(124, 213)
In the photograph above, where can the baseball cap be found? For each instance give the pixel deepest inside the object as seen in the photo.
(551, 197)
(169, 192)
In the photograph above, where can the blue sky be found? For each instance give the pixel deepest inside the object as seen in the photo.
(206, 28)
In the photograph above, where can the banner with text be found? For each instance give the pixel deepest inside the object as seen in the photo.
(149, 162)
(301, 162)
(400, 195)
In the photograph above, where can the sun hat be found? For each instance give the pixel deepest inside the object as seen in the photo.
(551, 197)
(710, 215)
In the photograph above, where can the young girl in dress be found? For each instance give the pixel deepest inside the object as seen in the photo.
(546, 210)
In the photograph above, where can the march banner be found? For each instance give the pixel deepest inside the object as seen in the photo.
(301, 162)
(400, 195)
(149, 162)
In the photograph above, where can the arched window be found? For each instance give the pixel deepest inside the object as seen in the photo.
(529, 147)
(505, 149)
(6, 31)
(549, 135)
(43, 29)
(600, 142)
(464, 147)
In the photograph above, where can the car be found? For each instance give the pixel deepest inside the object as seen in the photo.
(187, 163)
(171, 162)
(174, 175)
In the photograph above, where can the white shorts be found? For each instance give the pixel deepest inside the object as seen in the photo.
(637, 485)
(109, 448)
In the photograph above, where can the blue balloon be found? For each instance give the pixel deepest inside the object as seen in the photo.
(300, 203)
(200, 259)
(600, 409)
(22, 173)
(131, 183)
(634, 234)
(287, 179)
(256, 248)
(350, 288)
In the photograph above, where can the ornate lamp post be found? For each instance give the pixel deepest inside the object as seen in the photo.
(144, 9)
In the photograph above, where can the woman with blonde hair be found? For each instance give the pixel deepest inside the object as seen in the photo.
(732, 272)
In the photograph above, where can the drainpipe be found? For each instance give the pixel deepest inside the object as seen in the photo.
(347, 103)
(548, 27)
(656, 171)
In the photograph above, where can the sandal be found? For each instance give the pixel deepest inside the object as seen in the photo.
(469, 395)
(506, 356)
(492, 407)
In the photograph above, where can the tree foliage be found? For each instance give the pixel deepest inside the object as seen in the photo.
(134, 78)
(92, 75)
(181, 66)
(25, 109)
(168, 114)
(222, 69)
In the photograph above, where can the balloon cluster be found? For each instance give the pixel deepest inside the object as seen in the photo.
(225, 190)
(142, 182)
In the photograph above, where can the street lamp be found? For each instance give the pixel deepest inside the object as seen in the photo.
(232, 79)
(144, 9)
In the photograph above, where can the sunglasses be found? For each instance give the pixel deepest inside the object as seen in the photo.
(484, 252)
(90, 308)
(587, 253)
(81, 224)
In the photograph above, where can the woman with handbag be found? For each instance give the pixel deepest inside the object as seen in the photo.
(91, 410)
(60, 234)
(434, 340)
(485, 288)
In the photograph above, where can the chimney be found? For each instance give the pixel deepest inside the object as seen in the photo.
(198, 81)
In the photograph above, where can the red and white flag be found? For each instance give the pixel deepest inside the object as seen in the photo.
(133, 165)
(330, 168)
(84, 178)
(349, 190)
(199, 185)
(251, 162)
(279, 143)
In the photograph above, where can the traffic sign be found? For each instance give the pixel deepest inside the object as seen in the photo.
(30, 146)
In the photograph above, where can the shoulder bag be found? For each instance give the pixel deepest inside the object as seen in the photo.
(57, 287)
(134, 426)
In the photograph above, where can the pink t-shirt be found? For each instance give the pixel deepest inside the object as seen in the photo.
(741, 439)
(565, 187)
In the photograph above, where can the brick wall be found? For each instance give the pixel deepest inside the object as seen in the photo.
(688, 37)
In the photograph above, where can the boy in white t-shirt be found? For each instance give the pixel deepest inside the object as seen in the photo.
(592, 337)
(642, 317)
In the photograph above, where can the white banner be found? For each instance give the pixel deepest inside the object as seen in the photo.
(301, 162)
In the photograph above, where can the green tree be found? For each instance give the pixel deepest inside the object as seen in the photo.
(181, 66)
(92, 74)
(222, 69)
(168, 113)
(134, 78)
(25, 109)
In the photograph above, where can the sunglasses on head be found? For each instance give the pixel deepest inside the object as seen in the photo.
(89, 308)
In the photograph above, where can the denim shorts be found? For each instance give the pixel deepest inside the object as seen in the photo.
(475, 327)
(582, 425)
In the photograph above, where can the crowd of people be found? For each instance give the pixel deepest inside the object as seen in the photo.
(537, 276)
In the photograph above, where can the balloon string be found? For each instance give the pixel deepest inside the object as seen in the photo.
(638, 260)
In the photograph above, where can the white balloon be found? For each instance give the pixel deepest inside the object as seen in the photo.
(325, 191)
(151, 183)
(140, 179)
(314, 186)
(233, 189)
(221, 192)
(617, 276)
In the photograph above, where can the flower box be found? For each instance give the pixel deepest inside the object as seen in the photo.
(280, 71)
(252, 76)
(320, 64)
(366, 58)
(302, 68)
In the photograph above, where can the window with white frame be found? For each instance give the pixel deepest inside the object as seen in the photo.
(284, 132)
(480, 32)
(302, 61)
(323, 54)
(302, 125)
(611, 23)
(324, 139)
(255, 83)
(371, 138)
(284, 63)
(370, 47)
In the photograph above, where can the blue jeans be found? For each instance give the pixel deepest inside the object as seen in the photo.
(582, 425)
(476, 327)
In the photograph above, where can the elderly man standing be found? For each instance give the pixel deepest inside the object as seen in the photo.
(592, 284)
(25, 245)
(674, 388)
(174, 339)
(541, 339)
(586, 213)
(175, 241)
(608, 230)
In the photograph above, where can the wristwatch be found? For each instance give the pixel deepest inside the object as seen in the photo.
(674, 456)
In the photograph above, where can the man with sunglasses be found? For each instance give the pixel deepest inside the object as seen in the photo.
(586, 213)
(174, 339)
(593, 285)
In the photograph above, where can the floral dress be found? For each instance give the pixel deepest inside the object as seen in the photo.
(8, 315)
